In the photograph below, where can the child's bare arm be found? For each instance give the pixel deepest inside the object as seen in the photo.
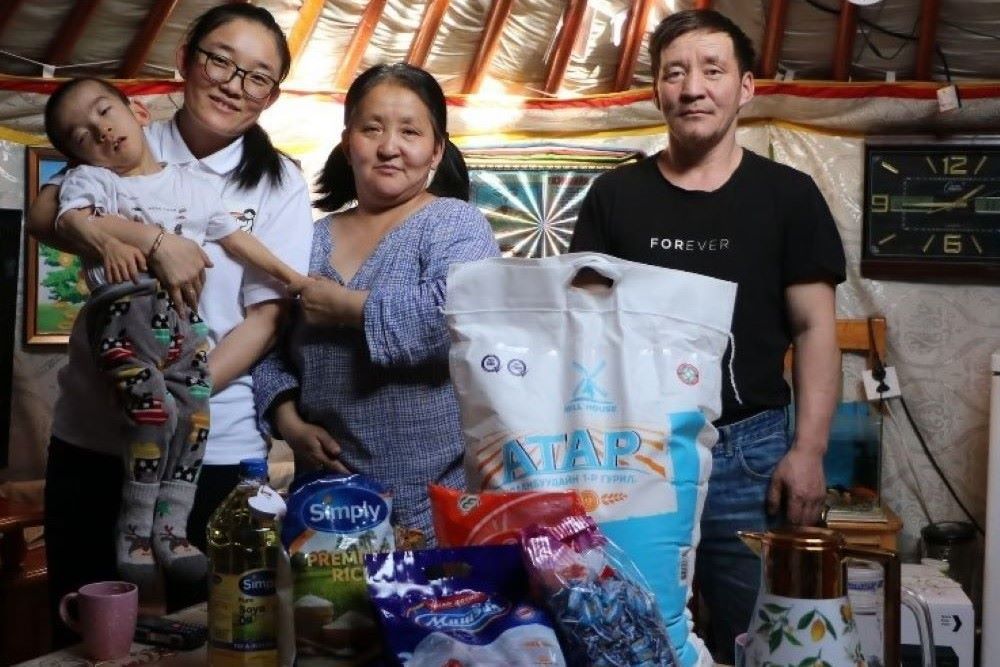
(244, 345)
(107, 237)
(81, 228)
(249, 250)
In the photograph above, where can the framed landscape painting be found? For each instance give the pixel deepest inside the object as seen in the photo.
(54, 288)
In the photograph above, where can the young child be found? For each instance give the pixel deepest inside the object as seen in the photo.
(154, 352)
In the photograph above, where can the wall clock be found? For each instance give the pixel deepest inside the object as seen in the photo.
(932, 209)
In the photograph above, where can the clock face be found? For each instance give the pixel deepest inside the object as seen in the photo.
(932, 211)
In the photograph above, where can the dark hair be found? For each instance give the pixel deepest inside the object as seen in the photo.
(335, 183)
(260, 157)
(708, 20)
(56, 134)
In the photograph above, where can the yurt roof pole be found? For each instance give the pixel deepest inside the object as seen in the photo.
(429, 25)
(847, 28)
(143, 40)
(495, 20)
(773, 33)
(929, 10)
(635, 28)
(303, 27)
(7, 10)
(62, 45)
(359, 42)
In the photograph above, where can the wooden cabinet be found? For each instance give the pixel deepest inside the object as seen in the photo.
(881, 534)
(24, 608)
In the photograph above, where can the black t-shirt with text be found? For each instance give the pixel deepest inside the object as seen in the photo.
(766, 228)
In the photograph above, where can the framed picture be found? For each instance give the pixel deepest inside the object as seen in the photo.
(54, 286)
(531, 194)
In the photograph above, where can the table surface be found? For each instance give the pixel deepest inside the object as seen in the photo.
(138, 654)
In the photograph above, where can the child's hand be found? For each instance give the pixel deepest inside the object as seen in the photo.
(327, 303)
(297, 283)
(122, 262)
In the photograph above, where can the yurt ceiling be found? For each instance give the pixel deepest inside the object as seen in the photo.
(531, 48)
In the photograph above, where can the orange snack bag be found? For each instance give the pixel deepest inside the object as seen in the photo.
(496, 517)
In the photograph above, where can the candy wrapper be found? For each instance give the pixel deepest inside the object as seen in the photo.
(601, 604)
(495, 517)
(460, 608)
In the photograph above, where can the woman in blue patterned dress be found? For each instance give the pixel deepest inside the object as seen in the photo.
(361, 382)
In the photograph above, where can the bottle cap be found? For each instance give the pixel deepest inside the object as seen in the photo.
(267, 502)
(255, 468)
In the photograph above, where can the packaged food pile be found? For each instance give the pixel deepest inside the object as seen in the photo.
(609, 391)
(581, 408)
(605, 612)
(460, 607)
(331, 523)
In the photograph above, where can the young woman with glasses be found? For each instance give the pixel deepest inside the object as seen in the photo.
(232, 60)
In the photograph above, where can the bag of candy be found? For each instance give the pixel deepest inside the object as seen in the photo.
(331, 522)
(609, 392)
(495, 517)
(460, 608)
(602, 606)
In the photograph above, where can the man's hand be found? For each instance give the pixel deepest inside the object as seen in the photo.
(121, 261)
(180, 265)
(799, 478)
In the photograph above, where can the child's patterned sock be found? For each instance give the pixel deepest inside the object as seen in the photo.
(181, 560)
(133, 550)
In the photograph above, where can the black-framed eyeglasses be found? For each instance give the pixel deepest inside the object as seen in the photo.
(220, 69)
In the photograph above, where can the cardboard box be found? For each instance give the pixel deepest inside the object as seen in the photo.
(952, 620)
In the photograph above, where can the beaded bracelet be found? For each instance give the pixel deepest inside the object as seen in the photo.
(156, 244)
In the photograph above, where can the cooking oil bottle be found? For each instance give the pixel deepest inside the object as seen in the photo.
(243, 551)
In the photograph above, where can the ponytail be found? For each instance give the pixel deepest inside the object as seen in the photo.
(335, 182)
(452, 176)
(260, 159)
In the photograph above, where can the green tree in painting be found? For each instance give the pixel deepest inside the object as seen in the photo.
(63, 280)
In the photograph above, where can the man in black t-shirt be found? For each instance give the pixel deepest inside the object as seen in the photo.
(705, 205)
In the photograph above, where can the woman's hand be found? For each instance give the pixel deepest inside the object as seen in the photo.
(180, 265)
(122, 262)
(328, 303)
(309, 441)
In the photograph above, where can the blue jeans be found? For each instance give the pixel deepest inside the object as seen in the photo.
(727, 572)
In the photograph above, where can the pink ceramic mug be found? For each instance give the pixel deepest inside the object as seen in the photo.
(105, 617)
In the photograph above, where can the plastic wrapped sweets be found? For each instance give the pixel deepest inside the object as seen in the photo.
(460, 607)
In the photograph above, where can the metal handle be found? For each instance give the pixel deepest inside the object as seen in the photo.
(925, 628)
(889, 560)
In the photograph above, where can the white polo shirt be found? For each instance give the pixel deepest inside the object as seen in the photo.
(280, 216)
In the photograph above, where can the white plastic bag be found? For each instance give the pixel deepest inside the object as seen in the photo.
(610, 392)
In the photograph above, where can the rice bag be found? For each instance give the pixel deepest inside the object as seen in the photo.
(331, 523)
(460, 607)
(495, 517)
(609, 392)
(603, 608)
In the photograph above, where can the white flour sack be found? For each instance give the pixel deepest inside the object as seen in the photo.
(609, 392)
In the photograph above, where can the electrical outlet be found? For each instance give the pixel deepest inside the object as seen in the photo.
(889, 386)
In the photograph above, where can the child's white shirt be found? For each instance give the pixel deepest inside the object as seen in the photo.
(177, 199)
